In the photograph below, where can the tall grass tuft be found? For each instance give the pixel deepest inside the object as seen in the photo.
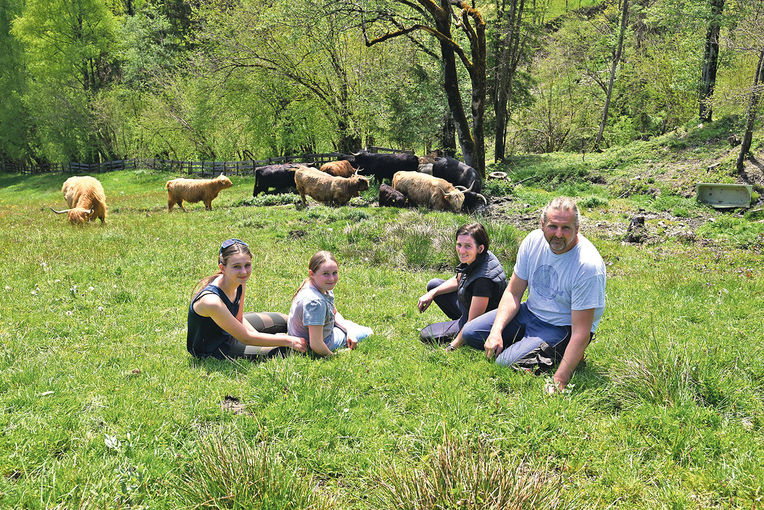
(655, 374)
(228, 472)
(468, 475)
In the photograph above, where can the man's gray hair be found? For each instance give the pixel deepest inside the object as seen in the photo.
(562, 204)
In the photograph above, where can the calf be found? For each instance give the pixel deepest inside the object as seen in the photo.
(388, 197)
(195, 190)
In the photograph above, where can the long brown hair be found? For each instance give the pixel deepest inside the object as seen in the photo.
(316, 261)
(223, 256)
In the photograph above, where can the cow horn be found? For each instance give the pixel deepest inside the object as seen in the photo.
(471, 185)
(460, 188)
(60, 212)
(484, 199)
(90, 211)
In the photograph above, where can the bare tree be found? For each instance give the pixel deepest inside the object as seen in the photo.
(749, 37)
(614, 66)
(508, 52)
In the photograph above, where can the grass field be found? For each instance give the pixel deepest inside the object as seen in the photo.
(102, 407)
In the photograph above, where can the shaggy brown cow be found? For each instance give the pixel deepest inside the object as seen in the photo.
(341, 168)
(85, 198)
(326, 188)
(428, 191)
(195, 190)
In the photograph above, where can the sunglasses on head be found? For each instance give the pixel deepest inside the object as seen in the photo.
(230, 242)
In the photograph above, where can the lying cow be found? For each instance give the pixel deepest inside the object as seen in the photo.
(85, 198)
(457, 173)
(195, 190)
(473, 201)
(384, 166)
(428, 191)
(327, 188)
(341, 168)
(388, 197)
(280, 177)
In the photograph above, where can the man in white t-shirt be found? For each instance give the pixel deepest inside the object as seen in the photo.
(565, 277)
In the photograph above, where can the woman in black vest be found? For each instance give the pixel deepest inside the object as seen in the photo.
(217, 325)
(476, 288)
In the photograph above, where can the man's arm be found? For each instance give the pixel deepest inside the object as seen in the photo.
(581, 326)
(508, 307)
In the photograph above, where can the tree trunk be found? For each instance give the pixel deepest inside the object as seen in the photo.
(448, 135)
(508, 54)
(753, 107)
(710, 62)
(616, 58)
(451, 87)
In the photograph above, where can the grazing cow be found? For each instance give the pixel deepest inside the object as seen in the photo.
(341, 168)
(473, 201)
(388, 197)
(195, 190)
(428, 191)
(457, 173)
(85, 198)
(327, 188)
(384, 166)
(280, 177)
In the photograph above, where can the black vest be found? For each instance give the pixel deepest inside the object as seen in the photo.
(486, 265)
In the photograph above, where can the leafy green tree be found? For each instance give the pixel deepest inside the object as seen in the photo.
(14, 117)
(71, 55)
(297, 43)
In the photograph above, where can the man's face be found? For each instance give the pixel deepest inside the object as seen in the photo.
(560, 230)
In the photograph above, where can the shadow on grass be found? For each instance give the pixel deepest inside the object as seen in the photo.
(37, 182)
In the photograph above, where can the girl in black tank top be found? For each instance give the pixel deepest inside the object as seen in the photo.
(216, 325)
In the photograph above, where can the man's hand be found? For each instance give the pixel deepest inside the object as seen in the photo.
(352, 342)
(493, 346)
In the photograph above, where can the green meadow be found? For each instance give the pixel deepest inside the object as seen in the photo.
(101, 406)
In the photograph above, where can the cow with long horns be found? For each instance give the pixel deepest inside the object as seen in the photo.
(86, 200)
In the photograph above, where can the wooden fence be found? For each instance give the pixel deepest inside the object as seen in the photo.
(195, 168)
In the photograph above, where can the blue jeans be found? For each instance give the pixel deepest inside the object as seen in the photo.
(444, 332)
(529, 342)
(340, 339)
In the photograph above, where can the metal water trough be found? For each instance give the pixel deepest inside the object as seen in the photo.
(724, 196)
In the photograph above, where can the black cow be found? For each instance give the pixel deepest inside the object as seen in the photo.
(388, 197)
(457, 173)
(383, 166)
(280, 177)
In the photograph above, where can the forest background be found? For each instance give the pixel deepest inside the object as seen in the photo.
(100, 80)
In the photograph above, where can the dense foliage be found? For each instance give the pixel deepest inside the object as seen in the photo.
(97, 80)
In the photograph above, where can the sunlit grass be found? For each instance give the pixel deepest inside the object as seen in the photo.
(103, 407)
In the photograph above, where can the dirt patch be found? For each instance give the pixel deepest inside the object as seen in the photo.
(233, 405)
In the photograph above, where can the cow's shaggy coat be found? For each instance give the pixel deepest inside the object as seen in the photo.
(195, 190)
(327, 188)
(428, 191)
(86, 199)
